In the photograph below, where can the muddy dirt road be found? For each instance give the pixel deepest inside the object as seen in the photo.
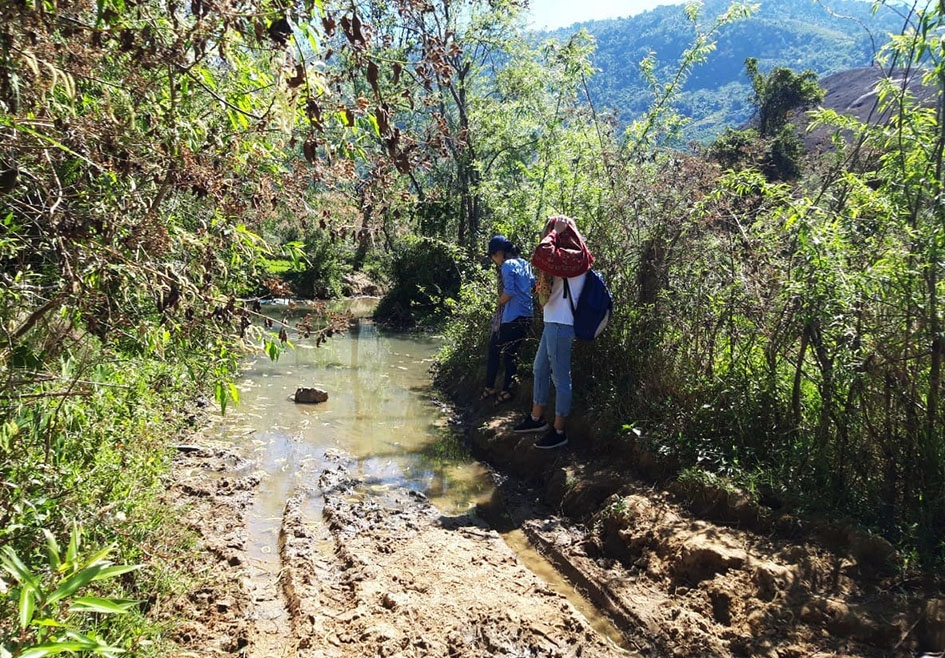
(388, 575)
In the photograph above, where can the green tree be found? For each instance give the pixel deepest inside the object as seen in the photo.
(780, 92)
(662, 118)
(144, 146)
(426, 65)
(774, 147)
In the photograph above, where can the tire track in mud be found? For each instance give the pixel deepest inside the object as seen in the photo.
(277, 632)
(386, 574)
(270, 636)
(236, 604)
(280, 630)
(400, 579)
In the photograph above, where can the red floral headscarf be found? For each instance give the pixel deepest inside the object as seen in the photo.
(562, 254)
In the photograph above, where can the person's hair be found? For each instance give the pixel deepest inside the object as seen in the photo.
(501, 243)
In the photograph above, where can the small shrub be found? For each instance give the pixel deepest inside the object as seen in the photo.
(51, 602)
(784, 155)
(462, 357)
(426, 275)
(319, 275)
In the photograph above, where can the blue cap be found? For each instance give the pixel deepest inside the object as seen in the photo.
(499, 243)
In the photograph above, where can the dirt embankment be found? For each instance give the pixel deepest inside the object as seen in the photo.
(679, 573)
(693, 571)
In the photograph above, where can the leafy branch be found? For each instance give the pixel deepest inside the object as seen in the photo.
(49, 604)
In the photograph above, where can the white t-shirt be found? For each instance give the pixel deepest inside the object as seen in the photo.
(558, 309)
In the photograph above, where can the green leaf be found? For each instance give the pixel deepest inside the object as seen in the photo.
(374, 124)
(252, 238)
(73, 643)
(312, 38)
(207, 79)
(272, 349)
(93, 643)
(27, 605)
(12, 123)
(75, 541)
(9, 431)
(76, 581)
(48, 623)
(104, 606)
(51, 649)
(52, 548)
(12, 563)
(99, 558)
(117, 570)
(219, 394)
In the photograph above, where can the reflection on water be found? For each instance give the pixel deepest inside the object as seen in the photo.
(379, 409)
(379, 412)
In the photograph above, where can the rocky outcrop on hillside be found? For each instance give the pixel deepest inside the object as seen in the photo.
(856, 93)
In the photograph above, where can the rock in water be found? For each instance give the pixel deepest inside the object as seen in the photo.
(310, 395)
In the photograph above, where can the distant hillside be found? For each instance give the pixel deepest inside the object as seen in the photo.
(826, 36)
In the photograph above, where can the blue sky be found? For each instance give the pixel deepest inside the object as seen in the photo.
(559, 13)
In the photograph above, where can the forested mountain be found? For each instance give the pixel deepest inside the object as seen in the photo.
(826, 36)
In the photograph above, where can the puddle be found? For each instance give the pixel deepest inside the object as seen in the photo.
(381, 416)
(519, 543)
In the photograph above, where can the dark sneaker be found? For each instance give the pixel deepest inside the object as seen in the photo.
(529, 425)
(552, 440)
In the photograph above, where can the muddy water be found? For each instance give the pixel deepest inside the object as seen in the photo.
(381, 415)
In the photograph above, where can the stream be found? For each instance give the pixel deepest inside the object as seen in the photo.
(382, 415)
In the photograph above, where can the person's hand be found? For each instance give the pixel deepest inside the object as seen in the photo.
(561, 223)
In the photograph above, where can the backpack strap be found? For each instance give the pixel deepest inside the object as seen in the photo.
(569, 296)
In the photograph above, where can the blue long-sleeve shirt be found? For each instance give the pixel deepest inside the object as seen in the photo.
(517, 282)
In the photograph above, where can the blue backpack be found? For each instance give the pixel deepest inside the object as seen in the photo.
(594, 306)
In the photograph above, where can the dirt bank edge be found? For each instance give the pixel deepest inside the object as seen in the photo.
(209, 489)
(701, 571)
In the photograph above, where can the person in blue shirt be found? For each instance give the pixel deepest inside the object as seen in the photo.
(513, 316)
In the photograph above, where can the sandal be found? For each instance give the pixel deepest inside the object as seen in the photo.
(487, 393)
(503, 396)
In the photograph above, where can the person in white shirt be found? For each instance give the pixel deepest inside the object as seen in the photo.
(560, 257)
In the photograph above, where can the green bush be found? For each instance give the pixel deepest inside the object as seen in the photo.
(784, 155)
(426, 276)
(51, 603)
(92, 459)
(318, 274)
(735, 149)
(461, 362)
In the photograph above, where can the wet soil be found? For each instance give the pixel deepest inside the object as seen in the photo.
(680, 571)
(386, 575)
